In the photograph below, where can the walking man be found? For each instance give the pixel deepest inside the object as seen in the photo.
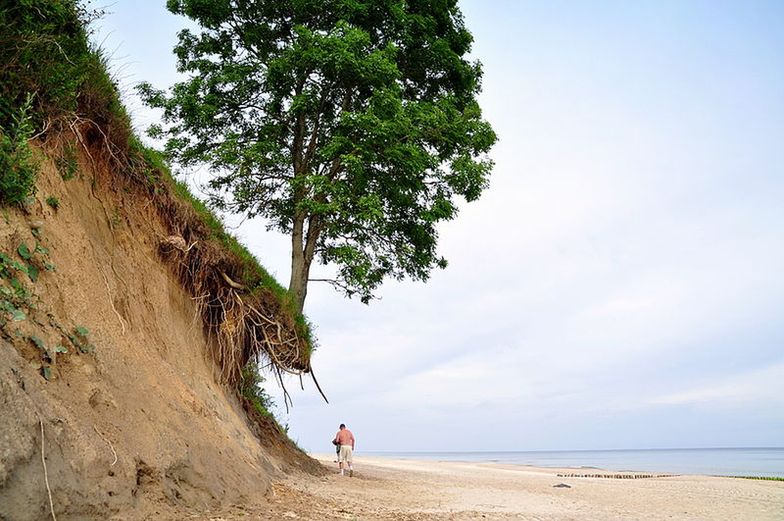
(345, 440)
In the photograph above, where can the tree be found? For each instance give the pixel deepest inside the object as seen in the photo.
(351, 125)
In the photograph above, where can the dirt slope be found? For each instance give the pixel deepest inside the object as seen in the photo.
(135, 425)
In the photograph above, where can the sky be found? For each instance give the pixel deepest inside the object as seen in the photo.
(621, 282)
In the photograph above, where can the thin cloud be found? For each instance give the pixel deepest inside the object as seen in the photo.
(762, 386)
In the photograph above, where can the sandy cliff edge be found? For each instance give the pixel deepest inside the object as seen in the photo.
(136, 425)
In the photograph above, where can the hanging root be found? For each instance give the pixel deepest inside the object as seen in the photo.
(111, 302)
(243, 325)
(46, 473)
(114, 453)
(235, 285)
(313, 375)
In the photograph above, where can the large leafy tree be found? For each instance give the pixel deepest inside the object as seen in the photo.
(351, 125)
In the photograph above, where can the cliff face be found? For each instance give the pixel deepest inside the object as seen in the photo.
(104, 350)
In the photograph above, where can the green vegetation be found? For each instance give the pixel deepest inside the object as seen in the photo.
(79, 338)
(763, 478)
(251, 388)
(17, 164)
(53, 201)
(20, 304)
(44, 50)
(351, 126)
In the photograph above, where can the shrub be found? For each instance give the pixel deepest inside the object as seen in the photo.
(17, 164)
(250, 388)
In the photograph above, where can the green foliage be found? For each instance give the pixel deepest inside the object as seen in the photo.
(8, 307)
(99, 97)
(42, 50)
(15, 297)
(17, 302)
(24, 251)
(251, 388)
(79, 339)
(18, 168)
(33, 272)
(30, 266)
(47, 70)
(351, 125)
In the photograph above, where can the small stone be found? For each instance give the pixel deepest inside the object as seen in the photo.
(562, 485)
(290, 514)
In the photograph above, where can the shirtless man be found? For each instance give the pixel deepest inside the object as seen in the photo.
(345, 440)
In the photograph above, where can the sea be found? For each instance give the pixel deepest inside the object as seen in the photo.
(763, 462)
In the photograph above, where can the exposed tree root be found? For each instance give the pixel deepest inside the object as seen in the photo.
(108, 443)
(244, 325)
(111, 302)
(46, 472)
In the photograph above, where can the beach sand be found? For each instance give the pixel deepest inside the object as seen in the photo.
(388, 489)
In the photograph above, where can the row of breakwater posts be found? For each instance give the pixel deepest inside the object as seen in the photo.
(617, 476)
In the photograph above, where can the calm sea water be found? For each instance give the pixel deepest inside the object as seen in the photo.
(720, 462)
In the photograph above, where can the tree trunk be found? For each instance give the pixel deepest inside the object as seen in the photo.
(300, 267)
(298, 284)
(303, 247)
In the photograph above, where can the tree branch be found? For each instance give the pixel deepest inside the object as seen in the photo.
(299, 133)
(314, 134)
(335, 283)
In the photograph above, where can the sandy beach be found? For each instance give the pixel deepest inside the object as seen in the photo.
(388, 489)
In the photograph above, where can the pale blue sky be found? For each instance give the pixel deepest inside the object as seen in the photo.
(619, 285)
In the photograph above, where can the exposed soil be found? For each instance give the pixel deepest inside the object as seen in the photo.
(135, 426)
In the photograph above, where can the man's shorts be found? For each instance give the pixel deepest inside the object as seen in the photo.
(346, 454)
